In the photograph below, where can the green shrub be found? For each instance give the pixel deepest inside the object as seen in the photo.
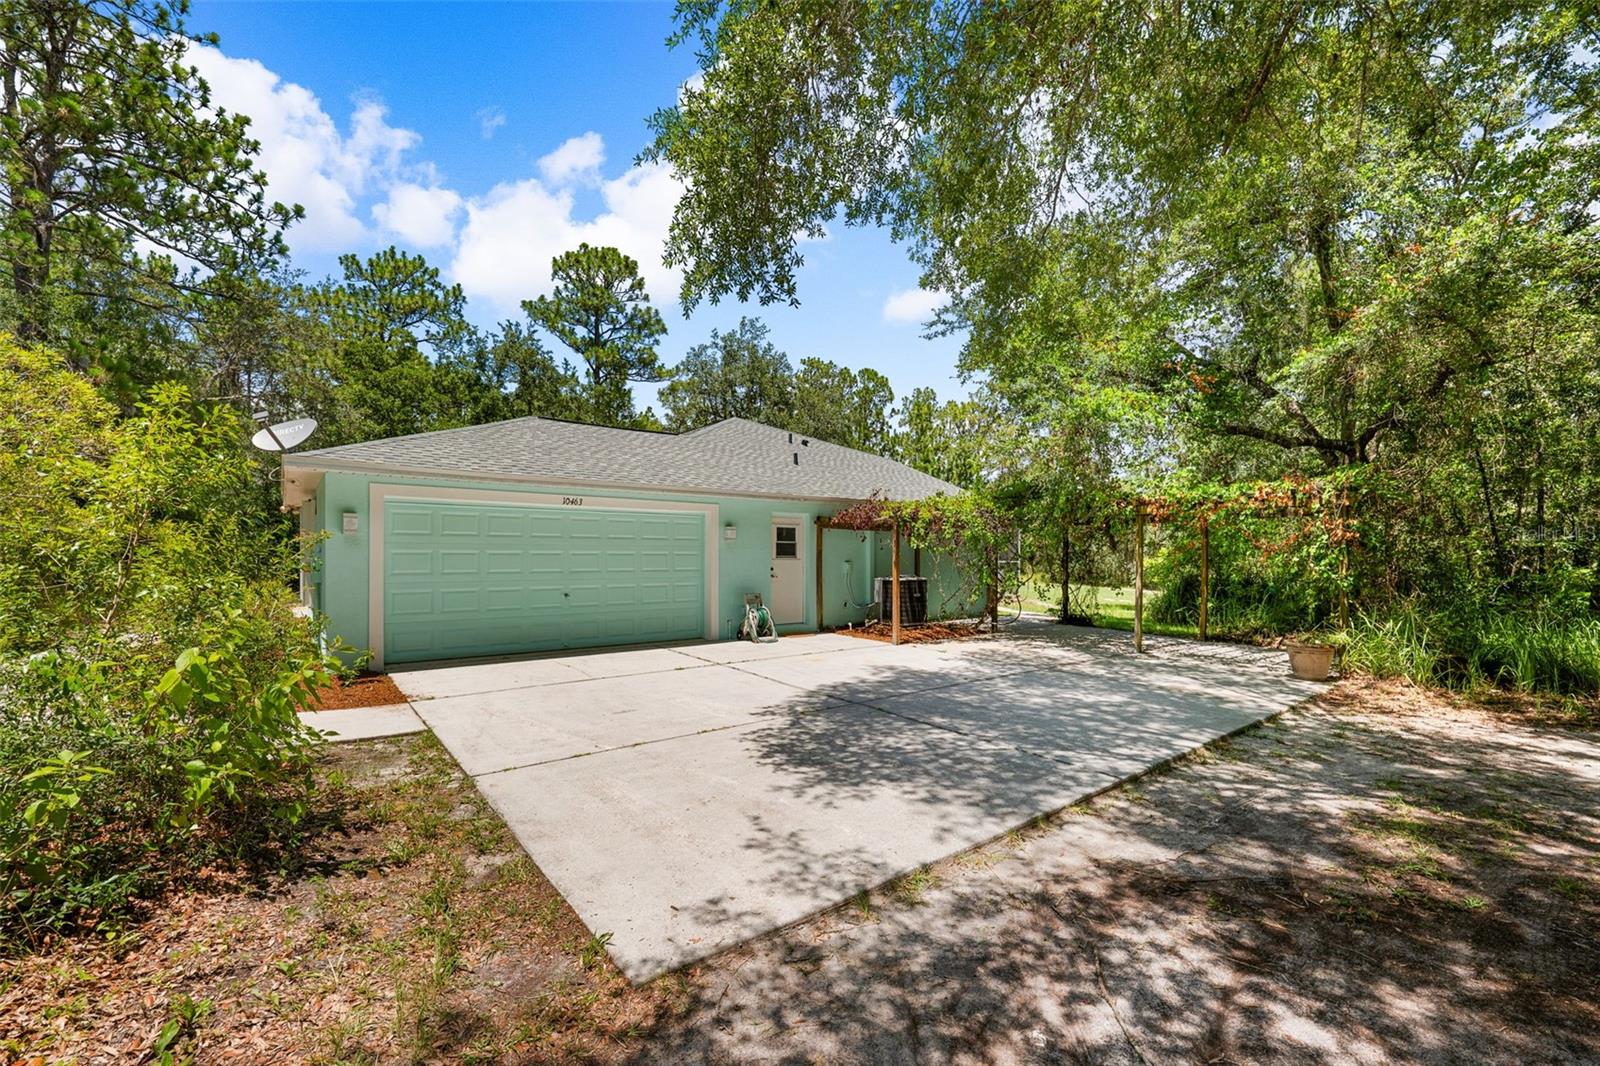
(151, 660)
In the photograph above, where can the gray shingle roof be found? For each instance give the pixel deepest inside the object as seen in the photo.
(734, 456)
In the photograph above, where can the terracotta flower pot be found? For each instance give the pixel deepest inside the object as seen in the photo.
(1311, 662)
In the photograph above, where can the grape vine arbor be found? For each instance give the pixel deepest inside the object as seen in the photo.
(969, 528)
(1301, 519)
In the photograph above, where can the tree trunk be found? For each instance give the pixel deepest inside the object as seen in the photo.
(1488, 508)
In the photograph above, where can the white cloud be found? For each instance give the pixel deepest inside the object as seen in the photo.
(512, 234)
(420, 215)
(490, 119)
(306, 158)
(577, 160)
(361, 184)
(912, 305)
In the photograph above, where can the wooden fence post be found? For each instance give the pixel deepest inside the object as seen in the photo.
(1205, 572)
(894, 584)
(1138, 579)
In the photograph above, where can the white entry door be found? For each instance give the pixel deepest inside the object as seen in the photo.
(787, 599)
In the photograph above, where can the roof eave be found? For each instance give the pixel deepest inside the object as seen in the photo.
(398, 470)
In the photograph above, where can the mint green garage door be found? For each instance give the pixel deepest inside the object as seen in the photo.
(486, 579)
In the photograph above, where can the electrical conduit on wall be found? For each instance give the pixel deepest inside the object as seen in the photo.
(849, 590)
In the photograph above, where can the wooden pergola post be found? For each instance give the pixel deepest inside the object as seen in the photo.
(1138, 579)
(1344, 560)
(894, 583)
(820, 529)
(1205, 572)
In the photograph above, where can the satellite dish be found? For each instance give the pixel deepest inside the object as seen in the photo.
(282, 436)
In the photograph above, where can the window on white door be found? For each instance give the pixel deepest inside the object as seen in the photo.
(786, 542)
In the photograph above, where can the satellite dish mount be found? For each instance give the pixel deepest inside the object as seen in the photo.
(282, 436)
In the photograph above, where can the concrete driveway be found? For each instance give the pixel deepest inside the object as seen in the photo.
(687, 798)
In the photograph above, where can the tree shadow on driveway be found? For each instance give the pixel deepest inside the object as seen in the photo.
(1373, 878)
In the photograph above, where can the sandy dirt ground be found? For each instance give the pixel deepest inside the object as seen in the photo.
(1379, 876)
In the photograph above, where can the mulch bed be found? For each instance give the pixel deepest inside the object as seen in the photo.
(366, 690)
(926, 633)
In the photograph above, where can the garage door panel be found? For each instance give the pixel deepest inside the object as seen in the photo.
(504, 524)
(409, 645)
(410, 521)
(454, 562)
(404, 602)
(464, 580)
(455, 523)
(621, 596)
(407, 562)
(501, 561)
(547, 526)
(506, 599)
(460, 600)
(540, 596)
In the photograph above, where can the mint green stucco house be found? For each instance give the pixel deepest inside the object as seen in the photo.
(537, 534)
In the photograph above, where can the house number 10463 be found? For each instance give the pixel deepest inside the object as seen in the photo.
(572, 501)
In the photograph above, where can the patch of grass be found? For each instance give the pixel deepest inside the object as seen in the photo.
(593, 950)
(1040, 596)
(861, 903)
(1111, 607)
(1572, 888)
(908, 889)
(981, 859)
(1522, 650)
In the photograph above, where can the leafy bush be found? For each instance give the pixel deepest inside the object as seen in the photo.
(151, 660)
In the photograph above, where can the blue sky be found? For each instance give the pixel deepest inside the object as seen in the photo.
(491, 136)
